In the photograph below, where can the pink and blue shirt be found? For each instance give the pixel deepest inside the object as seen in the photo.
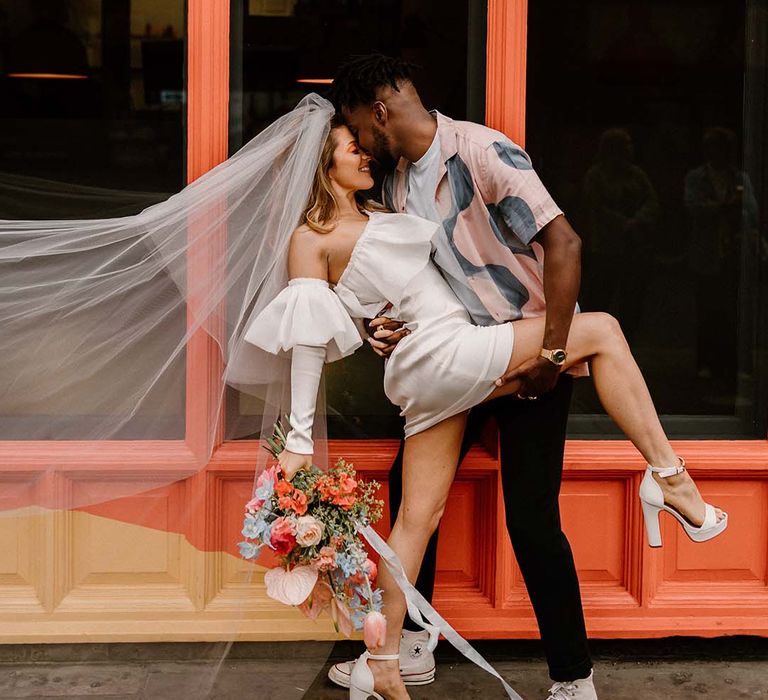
(491, 204)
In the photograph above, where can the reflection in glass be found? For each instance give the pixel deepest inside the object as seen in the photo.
(91, 126)
(90, 106)
(636, 122)
(623, 211)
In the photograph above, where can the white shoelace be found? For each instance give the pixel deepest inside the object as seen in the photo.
(562, 691)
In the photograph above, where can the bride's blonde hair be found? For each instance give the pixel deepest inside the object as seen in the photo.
(322, 210)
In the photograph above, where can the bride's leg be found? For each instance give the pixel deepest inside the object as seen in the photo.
(597, 337)
(429, 466)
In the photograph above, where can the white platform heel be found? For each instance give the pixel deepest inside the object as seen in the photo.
(652, 500)
(361, 680)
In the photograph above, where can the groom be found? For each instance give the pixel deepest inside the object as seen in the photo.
(507, 251)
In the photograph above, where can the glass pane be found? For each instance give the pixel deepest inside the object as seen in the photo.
(283, 50)
(91, 126)
(636, 121)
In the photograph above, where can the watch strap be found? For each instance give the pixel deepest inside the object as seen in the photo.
(550, 355)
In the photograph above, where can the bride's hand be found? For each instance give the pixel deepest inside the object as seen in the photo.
(291, 462)
(386, 333)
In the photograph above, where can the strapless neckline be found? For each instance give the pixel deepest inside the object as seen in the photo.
(356, 247)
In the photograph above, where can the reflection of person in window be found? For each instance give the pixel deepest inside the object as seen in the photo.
(623, 208)
(720, 200)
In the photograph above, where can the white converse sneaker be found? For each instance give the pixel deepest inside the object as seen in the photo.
(417, 663)
(582, 689)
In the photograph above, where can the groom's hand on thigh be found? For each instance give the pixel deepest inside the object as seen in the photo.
(536, 376)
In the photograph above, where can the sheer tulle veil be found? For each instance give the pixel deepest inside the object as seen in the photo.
(107, 324)
(119, 340)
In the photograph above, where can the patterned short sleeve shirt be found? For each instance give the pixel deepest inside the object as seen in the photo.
(491, 204)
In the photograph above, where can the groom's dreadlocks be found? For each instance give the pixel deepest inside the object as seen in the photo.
(358, 79)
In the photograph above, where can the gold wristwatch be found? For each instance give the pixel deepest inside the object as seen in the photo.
(556, 357)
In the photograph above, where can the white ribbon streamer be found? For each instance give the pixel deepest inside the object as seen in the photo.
(417, 605)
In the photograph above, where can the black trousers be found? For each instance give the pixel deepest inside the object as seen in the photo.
(532, 437)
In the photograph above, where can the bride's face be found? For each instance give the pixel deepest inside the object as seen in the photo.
(351, 164)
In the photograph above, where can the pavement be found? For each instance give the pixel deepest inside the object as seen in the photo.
(669, 669)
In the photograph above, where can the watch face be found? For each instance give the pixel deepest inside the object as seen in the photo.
(558, 356)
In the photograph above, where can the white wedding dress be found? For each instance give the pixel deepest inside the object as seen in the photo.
(445, 366)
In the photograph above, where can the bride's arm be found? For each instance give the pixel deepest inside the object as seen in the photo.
(306, 369)
(308, 320)
(307, 258)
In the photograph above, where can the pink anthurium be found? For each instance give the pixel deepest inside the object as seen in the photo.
(290, 587)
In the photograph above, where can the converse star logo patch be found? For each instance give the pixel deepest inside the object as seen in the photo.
(416, 650)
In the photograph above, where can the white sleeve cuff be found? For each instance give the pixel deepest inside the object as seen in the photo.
(306, 368)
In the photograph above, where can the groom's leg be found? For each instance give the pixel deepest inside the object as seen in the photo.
(532, 437)
(425, 583)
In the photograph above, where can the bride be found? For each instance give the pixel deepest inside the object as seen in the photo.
(348, 260)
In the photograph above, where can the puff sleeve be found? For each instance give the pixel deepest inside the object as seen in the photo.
(309, 320)
(306, 312)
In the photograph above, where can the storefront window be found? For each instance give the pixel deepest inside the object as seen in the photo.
(91, 126)
(285, 49)
(646, 122)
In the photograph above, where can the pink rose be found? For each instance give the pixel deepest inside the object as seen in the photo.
(327, 559)
(375, 630)
(254, 504)
(283, 535)
(309, 530)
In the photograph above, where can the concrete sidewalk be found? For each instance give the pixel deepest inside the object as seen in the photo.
(674, 669)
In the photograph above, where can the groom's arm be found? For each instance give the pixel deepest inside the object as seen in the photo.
(562, 276)
(513, 189)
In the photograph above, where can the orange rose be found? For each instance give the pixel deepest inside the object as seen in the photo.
(283, 487)
(299, 502)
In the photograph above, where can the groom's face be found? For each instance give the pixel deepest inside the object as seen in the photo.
(373, 134)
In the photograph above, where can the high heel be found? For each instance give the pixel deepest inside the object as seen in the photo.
(361, 680)
(652, 501)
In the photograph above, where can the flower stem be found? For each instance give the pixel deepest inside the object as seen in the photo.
(370, 592)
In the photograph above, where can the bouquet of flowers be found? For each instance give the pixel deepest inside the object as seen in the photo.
(311, 523)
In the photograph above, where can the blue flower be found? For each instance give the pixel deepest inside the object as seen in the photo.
(257, 528)
(347, 565)
(250, 527)
(249, 550)
(376, 600)
(358, 618)
(264, 530)
(265, 491)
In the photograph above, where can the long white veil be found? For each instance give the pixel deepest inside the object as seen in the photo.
(106, 325)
